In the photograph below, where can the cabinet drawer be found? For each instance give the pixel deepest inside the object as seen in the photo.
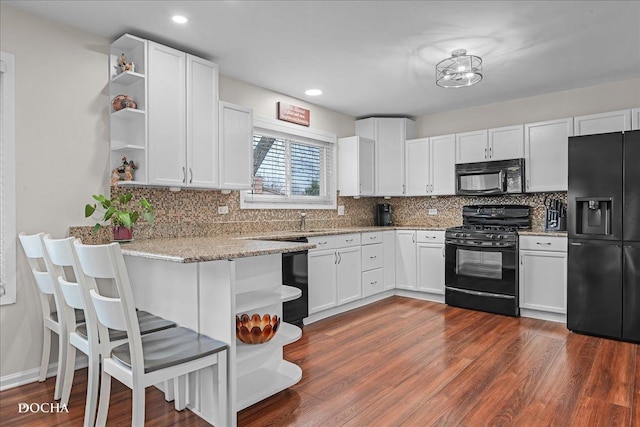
(372, 282)
(372, 237)
(323, 242)
(543, 243)
(424, 236)
(372, 257)
(346, 240)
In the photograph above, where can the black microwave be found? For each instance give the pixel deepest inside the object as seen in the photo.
(490, 178)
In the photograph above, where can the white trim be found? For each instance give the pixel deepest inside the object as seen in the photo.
(32, 375)
(292, 129)
(7, 181)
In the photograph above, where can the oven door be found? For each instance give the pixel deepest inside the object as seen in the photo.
(488, 269)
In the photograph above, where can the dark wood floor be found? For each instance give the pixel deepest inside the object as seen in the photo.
(405, 362)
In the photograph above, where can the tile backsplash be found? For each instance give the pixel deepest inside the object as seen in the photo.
(195, 213)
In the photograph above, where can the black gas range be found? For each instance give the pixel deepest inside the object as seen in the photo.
(481, 268)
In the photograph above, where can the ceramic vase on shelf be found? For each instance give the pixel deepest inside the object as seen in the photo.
(122, 234)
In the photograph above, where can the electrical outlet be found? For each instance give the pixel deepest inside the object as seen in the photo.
(341, 210)
(433, 211)
(223, 210)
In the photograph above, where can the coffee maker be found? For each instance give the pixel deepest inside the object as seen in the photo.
(383, 214)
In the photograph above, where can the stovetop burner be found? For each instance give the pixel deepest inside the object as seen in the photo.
(483, 225)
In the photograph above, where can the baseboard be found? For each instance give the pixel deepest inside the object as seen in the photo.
(32, 375)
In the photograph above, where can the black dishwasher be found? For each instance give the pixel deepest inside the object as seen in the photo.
(295, 273)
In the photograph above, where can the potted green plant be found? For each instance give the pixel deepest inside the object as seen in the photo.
(121, 215)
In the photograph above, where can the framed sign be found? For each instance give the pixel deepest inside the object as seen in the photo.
(293, 114)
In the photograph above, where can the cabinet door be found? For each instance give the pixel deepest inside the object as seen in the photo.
(389, 265)
(506, 143)
(614, 121)
(236, 147)
(472, 147)
(349, 275)
(372, 282)
(546, 147)
(406, 259)
(443, 159)
(167, 116)
(389, 171)
(202, 123)
(543, 281)
(322, 280)
(430, 268)
(635, 119)
(418, 171)
(366, 166)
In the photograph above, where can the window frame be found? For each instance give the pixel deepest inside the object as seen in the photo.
(7, 180)
(310, 136)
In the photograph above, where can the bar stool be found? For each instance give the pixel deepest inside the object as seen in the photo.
(60, 253)
(148, 359)
(53, 319)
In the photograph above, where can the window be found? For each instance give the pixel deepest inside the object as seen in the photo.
(7, 181)
(292, 168)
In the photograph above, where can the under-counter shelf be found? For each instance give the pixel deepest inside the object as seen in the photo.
(128, 114)
(252, 300)
(287, 334)
(127, 78)
(126, 147)
(259, 384)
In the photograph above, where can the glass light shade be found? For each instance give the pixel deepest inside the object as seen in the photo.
(459, 71)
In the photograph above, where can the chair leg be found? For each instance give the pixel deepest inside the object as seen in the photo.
(169, 395)
(63, 341)
(69, 371)
(92, 392)
(180, 392)
(137, 413)
(103, 406)
(46, 350)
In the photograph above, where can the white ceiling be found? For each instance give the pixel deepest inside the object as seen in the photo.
(378, 57)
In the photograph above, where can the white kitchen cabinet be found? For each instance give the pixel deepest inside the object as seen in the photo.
(322, 280)
(488, 145)
(613, 121)
(372, 263)
(389, 135)
(389, 262)
(546, 154)
(372, 282)
(236, 146)
(430, 261)
(543, 277)
(406, 259)
(183, 119)
(635, 119)
(356, 162)
(128, 127)
(349, 274)
(430, 166)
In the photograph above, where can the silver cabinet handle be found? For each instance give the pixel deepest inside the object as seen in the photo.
(373, 257)
(339, 257)
(184, 174)
(521, 260)
(335, 257)
(374, 282)
(190, 176)
(485, 153)
(543, 243)
(430, 237)
(413, 237)
(373, 238)
(528, 185)
(349, 240)
(321, 243)
(443, 252)
(490, 152)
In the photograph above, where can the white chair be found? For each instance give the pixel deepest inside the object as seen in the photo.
(53, 319)
(60, 253)
(148, 359)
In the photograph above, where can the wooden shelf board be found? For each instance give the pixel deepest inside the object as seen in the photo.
(257, 385)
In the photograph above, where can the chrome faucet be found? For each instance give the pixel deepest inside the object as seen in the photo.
(303, 217)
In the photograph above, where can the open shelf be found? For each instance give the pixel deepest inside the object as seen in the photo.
(252, 300)
(257, 385)
(126, 147)
(128, 113)
(287, 334)
(127, 78)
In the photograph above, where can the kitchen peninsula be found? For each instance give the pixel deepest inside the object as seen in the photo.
(202, 283)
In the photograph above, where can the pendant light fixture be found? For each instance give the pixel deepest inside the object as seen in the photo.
(459, 71)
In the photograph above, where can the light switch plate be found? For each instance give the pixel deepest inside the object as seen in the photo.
(223, 210)
(341, 210)
(433, 211)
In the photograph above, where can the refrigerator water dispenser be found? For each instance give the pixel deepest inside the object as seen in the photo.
(593, 215)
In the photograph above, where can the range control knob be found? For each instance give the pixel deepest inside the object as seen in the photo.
(466, 235)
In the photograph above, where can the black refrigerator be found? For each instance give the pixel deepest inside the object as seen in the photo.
(603, 271)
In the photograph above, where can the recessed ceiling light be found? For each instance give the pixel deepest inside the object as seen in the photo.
(313, 92)
(179, 19)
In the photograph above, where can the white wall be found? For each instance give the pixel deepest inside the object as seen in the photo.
(557, 105)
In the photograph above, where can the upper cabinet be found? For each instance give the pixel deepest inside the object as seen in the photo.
(430, 166)
(128, 123)
(356, 160)
(492, 144)
(546, 154)
(614, 121)
(389, 136)
(635, 119)
(236, 147)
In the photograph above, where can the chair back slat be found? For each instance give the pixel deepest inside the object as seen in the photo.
(59, 251)
(109, 311)
(95, 261)
(44, 281)
(72, 293)
(32, 245)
